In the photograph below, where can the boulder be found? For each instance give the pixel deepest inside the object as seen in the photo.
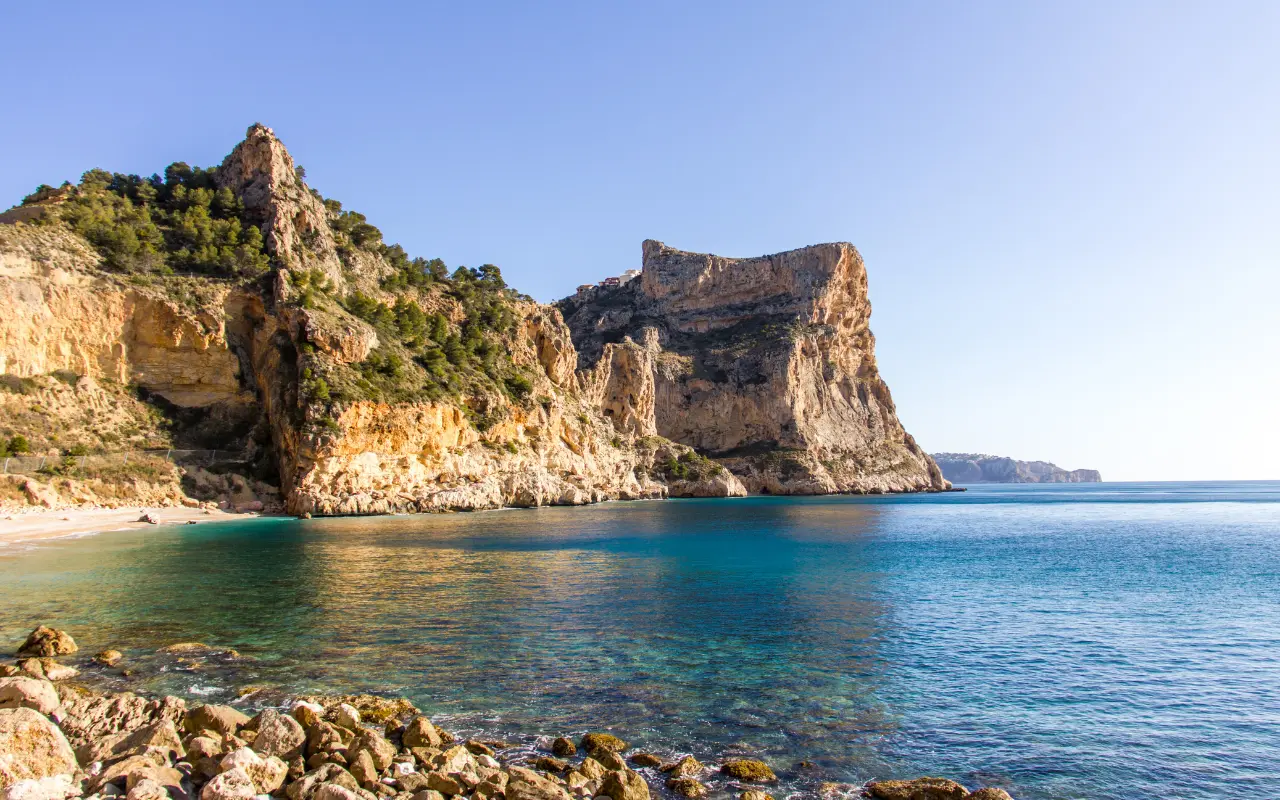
(602, 741)
(623, 784)
(159, 737)
(549, 764)
(687, 787)
(57, 672)
(748, 769)
(366, 774)
(345, 715)
(918, 789)
(29, 693)
(989, 793)
(447, 785)
(564, 746)
(234, 784)
(267, 774)
(32, 747)
(611, 761)
(57, 787)
(148, 789)
(412, 782)
(92, 717)
(457, 759)
(307, 714)
(645, 760)
(145, 766)
(754, 794)
(278, 735)
(332, 791)
(323, 737)
(686, 767)
(427, 794)
(379, 749)
(421, 733)
(109, 658)
(221, 719)
(478, 748)
(303, 788)
(525, 784)
(592, 769)
(46, 642)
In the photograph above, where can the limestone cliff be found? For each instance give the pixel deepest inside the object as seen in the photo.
(765, 364)
(978, 468)
(367, 382)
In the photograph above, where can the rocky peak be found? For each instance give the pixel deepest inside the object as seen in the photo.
(293, 219)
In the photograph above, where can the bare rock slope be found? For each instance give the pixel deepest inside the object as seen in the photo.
(765, 364)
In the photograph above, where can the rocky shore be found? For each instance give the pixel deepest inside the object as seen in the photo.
(61, 739)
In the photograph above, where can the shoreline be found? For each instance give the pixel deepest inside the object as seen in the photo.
(103, 743)
(42, 524)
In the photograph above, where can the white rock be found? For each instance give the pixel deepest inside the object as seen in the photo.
(29, 693)
(234, 784)
(53, 788)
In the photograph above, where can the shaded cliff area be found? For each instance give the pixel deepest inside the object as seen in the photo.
(766, 365)
(236, 308)
(977, 468)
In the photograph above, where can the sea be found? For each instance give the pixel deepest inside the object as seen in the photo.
(1113, 640)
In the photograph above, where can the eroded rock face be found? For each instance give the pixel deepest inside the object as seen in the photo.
(767, 364)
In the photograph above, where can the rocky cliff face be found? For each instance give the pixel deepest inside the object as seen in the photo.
(765, 364)
(977, 468)
(358, 406)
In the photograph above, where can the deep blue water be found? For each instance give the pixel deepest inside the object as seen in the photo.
(1071, 641)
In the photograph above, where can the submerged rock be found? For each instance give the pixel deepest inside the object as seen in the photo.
(687, 766)
(918, 789)
(645, 760)
(687, 787)
(748, 769)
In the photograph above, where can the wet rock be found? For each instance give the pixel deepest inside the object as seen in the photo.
(32, 693)
(267, 774)
(222, 719)
(305, 787)
(564, 746)
(421, 733)
(57, 672)
(593, 742)
(32, 747)
(149, 518)
(306, 714)
(836, 791)
(748, 769)
(754, 794)
(234, 784)
(46, 642)
(549, 764)
(478, 748)
(525, 784)
(611, 761)
(645, 760)
(686, 767)
(918, 789)
(623, 784)
(687, 787)
(989, 793)
(279, 735)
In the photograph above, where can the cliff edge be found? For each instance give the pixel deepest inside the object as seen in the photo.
(766, 365)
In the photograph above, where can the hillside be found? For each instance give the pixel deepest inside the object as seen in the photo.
(977, 468)
(235, 307)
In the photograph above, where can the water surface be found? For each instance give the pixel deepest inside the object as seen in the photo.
(1072, 641)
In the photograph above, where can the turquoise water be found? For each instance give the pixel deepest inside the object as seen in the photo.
(1099, 641)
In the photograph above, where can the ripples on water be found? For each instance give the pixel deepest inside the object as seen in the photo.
(1105, 641)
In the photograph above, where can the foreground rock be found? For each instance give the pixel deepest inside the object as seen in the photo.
(32, 747)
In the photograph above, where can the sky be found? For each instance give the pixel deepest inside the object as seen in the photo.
(1070, 212)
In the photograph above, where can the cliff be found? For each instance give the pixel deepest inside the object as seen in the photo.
(249, 313)
(766, 365)
(977, 468)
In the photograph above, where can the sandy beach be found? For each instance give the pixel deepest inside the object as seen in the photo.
(36, 524)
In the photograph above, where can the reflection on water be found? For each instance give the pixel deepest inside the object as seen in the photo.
(1060, 647)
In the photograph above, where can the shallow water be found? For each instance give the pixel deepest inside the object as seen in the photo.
(1100, 641)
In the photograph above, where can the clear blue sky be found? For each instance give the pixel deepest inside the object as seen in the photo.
(1069, 210)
